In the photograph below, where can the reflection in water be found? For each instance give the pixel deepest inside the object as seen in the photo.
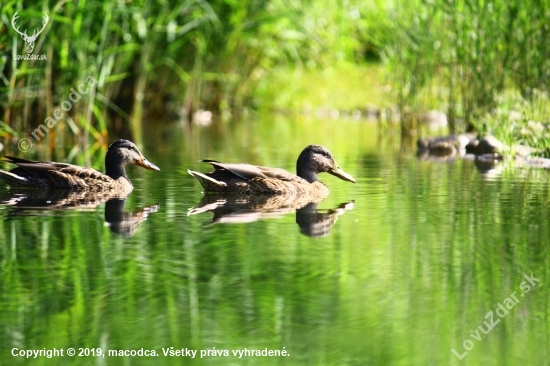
(316, 223)
(426, 253)
(125, 223)
(239, 209)
(31, 202)
(489, 166)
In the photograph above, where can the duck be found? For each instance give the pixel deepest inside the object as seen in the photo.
(251, 179)
(48, 174)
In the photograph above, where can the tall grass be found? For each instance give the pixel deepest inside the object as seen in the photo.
(466, 54)
(117, 43)
(152, 58)
(169, 57)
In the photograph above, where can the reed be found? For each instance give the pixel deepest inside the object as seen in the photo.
(173, 58)
(467, 56)
(156, 58)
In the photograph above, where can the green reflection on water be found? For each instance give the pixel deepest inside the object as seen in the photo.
(407, 275)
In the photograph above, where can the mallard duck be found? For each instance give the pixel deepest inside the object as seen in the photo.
(47, 174)
(246, 178)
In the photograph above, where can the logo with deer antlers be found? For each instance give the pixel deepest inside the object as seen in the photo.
(29, 40)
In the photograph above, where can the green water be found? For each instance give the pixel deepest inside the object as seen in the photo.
(403, 276)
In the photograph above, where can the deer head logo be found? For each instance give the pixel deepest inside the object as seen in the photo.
(29, 40)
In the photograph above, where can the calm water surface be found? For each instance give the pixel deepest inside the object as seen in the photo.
(408, 272)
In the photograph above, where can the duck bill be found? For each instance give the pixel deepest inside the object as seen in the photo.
(337, 172)
(147, 164)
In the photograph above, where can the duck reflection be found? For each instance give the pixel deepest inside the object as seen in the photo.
(125, 223)
(489, 166)
(239, 209)
(36, 202)
(318, 223)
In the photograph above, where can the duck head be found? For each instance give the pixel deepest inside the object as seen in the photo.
(122, 153)
(316, 159)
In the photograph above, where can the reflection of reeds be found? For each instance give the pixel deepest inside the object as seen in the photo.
(418, 249)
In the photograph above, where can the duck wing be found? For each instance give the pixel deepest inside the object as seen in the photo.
(244, 171)
(250, 172)
(57, 175)
(281, 174)
(73, 176)
(37, 169)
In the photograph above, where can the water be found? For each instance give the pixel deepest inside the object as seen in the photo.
(402, 276)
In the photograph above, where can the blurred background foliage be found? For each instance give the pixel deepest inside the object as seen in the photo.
(169, 56)
(470, 58)
(475, 60)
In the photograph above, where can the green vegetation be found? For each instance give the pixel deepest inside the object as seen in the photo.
(517, 120)
(343, 87)
(471, 56)
(465, 57)
(155, 57)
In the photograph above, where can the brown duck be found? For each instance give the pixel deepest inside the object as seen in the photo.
(47, 174)
(251, 179)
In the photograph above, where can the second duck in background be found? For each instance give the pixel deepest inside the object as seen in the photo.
(251, 179)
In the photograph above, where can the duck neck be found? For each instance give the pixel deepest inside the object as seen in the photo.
(114, 166)
(307, 174)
